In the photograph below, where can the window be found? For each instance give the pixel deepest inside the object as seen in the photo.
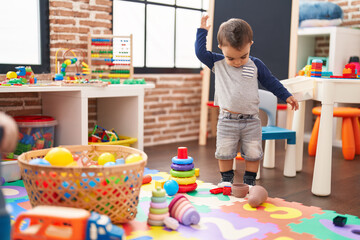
(163, 31)
(24, 39)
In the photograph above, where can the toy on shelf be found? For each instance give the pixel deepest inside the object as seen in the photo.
(316, 68)
(355, 60)
(50, 222)
(158, 208)
(8, 140)
(102, 136)
(110, 56)
(74, 61)
(182, 210)
(79, 71)
(36, 132)
(183, 172)
(23, 75)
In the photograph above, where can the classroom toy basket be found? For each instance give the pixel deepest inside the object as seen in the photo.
(113, 191)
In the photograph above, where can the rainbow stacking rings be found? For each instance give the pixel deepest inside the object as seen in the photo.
(182, 171)
(158, 208)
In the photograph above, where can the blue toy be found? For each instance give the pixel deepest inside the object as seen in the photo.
(319, 14)
(109, 164)
(171, 187)
(39, 161)
(21, 71)
(120, 161)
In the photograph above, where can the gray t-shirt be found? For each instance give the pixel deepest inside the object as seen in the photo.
(236, 89)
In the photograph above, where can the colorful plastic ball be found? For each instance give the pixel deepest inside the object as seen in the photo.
(59, 156)
(120, 161)
(109, 164)
(171, 187)
(132, 158)
(39, 161)
(73, 164)
(105, 157)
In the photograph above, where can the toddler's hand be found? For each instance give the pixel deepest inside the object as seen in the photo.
(293, 102)
(204, 24)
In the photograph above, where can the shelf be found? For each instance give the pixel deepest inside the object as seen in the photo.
(343, 43)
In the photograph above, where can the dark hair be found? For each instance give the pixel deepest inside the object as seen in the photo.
(234, 32)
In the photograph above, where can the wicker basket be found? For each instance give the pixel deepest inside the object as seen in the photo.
(113, 191)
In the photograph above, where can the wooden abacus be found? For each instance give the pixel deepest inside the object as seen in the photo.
(110, 56)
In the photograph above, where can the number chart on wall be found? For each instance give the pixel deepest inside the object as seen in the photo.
(110, 57)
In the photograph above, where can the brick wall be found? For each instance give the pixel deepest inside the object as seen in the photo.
(351, 9)
(172, 109)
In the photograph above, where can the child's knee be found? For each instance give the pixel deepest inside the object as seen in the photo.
(252, 151)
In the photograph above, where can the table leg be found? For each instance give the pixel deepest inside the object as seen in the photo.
(321, 185)
(298, 127)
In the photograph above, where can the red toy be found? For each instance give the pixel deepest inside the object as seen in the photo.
(216, 190)
(146, 179)
(227, 190)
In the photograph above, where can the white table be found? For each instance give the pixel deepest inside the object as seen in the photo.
(118, 106)
(328, 92)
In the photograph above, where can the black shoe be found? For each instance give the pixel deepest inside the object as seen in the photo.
(249, 180)
(227, 178)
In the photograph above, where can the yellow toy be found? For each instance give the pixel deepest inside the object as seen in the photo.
(105, 157)
(11, 75)
(132, 158)
(59, 156)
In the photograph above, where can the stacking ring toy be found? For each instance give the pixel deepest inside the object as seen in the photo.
(158, 217)
(172, 212)
(159, 210)
(182, 174)
(187, 188)
(182, 157)
(182, 210)
(159, 205)
(158, 199)
(182, 167)
(188, 160)
(159, 192)
(191, 216)
(155, 222)
(184, 181)
(176, 198)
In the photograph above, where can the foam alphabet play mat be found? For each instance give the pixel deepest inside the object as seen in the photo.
(222, 216)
